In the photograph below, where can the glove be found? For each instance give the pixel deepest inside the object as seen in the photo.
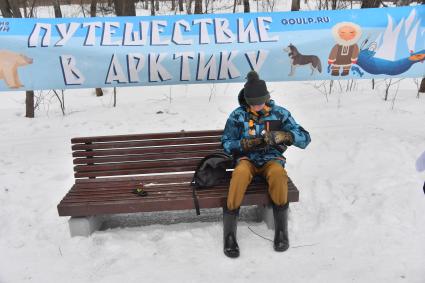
(250, 144)
(278, 138)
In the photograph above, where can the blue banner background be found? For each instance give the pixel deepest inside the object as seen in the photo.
(392, 44)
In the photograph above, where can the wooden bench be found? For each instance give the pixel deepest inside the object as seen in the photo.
(108, 169)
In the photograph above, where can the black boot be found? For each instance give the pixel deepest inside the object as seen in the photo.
(230, 217)
(281, 241)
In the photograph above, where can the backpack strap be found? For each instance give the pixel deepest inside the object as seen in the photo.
(195, 200)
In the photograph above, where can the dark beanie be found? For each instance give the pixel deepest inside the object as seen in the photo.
(255, 90)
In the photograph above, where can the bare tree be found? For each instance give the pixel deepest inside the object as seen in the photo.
(93, 8)
(125, 7)
(295, 5)
(152, 7)
(5, 8)
(370, 3)
(198, 7)
(57, 8)
(422, 87)
(189, 7)
(246, 8)
(93, 12)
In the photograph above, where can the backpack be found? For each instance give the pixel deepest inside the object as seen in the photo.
(211, 171)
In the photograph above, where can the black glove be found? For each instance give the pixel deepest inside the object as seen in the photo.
(250, 144)
(278, 138)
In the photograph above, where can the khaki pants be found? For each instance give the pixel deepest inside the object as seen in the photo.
(272, 171)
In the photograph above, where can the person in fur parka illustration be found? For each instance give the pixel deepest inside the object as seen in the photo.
(345, 51)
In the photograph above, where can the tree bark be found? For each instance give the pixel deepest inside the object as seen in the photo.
(124, 8)
(5, 8)
(173, 5)
(295, 5)
(152, 7)
(198, 7)
(93, 8)
(370, 3)
(181, 5)
(57, 8)
(15, 9)
(422, 87)
(189, 7)
(246, 8)
(29, 104)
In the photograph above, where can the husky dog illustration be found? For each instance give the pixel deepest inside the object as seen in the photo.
(298, 59)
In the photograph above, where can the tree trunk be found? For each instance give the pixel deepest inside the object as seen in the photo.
(29, 104)
(15, 9)
(246, 8)
(181, 5)
(370, 3)
(198, 7)
(189, 7)
(234, 7)
(5, 8)
(334, 2)
(93, 12)
(57, 8)
(152, 7)
(422, 87)
(157, 5)
(295, 5)
(173, 5)
(93, 8)
(403, 2)
(125, 8)
(99, 91)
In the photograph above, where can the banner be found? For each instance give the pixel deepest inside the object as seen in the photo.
(65, 53)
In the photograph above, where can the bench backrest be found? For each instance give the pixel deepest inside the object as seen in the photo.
(120, 155)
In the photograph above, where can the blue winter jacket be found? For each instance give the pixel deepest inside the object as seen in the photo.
(237, 127)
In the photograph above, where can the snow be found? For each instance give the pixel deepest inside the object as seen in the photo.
(359, 218)
(361, 202)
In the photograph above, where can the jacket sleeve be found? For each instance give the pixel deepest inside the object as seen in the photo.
(232, 136)
(301, 138)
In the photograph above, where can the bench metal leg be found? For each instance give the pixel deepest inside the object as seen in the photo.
(84, 226)
(265, 213)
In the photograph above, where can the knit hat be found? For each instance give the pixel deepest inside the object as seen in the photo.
(255, 90)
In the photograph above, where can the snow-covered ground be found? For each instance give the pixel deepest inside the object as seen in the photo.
(360, 217)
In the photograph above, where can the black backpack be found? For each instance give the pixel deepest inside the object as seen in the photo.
(211, 171)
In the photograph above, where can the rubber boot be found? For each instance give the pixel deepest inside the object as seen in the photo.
(281, 241)
(230, 217)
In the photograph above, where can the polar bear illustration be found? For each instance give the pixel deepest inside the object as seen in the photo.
(9, 63)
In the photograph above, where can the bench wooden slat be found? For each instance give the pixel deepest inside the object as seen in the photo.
(138, 165)
(149, 150)
(168, 178)
(147, 136)
(146, 143)
(143, 157)
(130, 206)
(134, 171)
